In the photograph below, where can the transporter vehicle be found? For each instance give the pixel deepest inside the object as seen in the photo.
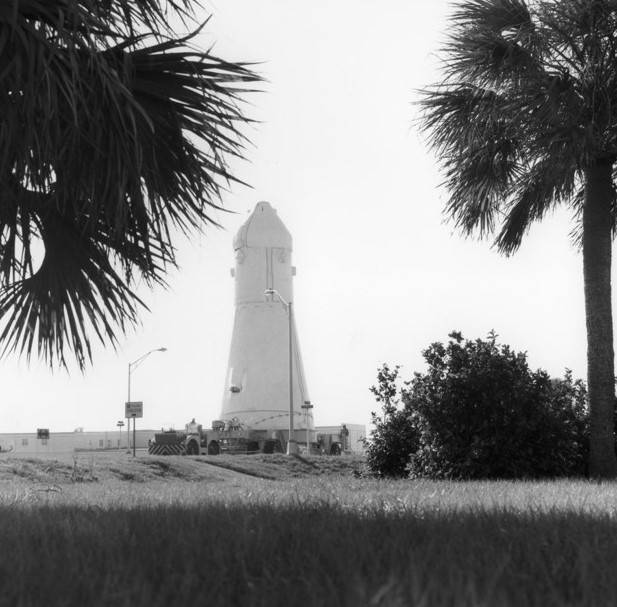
(232, 436)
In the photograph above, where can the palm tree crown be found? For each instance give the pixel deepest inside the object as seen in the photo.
(529, 101)
(114, 133)
(525, 119)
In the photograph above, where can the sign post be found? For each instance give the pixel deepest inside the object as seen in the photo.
(133, 410)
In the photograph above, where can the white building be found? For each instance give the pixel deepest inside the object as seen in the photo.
(29, 444)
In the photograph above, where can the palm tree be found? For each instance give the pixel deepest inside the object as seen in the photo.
(525, 119)
(114, 135)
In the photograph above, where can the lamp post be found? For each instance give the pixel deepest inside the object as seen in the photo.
(307, 407)
(292, 447)
(134, 365)
(120, 425)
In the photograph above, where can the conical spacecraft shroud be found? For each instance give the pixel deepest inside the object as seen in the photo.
(257, 387)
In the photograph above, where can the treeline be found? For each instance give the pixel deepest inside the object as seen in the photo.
(478, 412)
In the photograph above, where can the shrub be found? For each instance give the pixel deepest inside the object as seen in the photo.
(480, 412)
(394, 437)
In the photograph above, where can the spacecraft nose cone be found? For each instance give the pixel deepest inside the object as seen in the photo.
(263, 228)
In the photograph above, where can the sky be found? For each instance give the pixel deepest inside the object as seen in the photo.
(381, 273)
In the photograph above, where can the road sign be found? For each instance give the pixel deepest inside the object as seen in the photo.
(133, 409)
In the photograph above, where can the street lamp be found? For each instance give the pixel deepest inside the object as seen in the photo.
(307, 407)
(120, 425)
(292, 447)
(132, 366)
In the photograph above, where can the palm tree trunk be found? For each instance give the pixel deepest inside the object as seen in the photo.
(597, 243)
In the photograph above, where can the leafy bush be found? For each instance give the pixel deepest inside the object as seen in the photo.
(394, 437)
(480, 412)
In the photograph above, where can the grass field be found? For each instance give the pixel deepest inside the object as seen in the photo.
(272, 531)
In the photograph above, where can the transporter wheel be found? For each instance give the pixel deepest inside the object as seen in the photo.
(252, 447)
(214, 448)
(335, 449)
(192, 448)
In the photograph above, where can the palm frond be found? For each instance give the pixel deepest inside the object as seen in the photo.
(576, 204)
(153, 15)
(493, 41)
(172, 116)
(496, 15)
(65, 18)
(114, 135)
(536, 191)
(100, 17)
(457, 116)
(479, 150)
(74, 291)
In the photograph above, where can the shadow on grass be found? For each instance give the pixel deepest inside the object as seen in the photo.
(307, 554)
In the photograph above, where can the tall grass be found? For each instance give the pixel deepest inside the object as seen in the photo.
(289, 546)
(180, 532)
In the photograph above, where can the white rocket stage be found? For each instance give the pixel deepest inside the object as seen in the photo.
(257, 390)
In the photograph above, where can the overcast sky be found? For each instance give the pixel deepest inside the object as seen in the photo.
(380, 274)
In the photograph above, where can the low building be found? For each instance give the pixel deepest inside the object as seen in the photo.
(41, 444)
